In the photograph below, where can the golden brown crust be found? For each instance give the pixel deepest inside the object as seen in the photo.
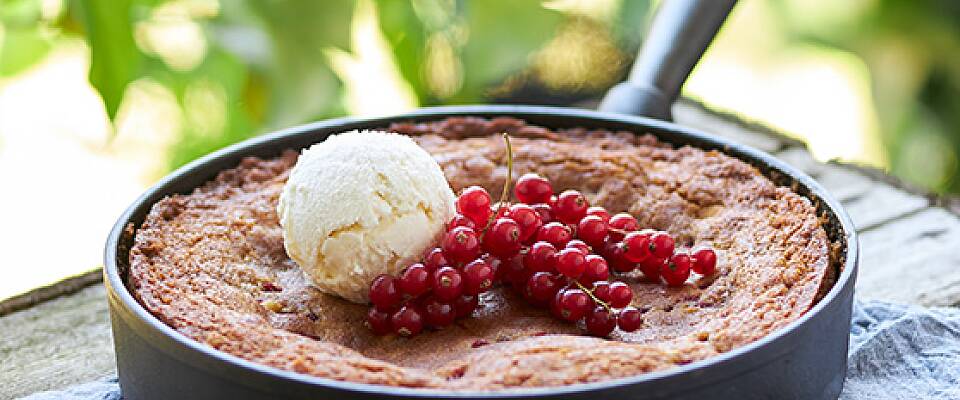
(211, 264)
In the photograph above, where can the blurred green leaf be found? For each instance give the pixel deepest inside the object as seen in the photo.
(302, 86)
(407, 36)
(268, 57)
(20, 49)
(502, 35)
(20, 13)
(631, 23)
(24, 42)
(913, 84)
(220, 70)
(114, 58)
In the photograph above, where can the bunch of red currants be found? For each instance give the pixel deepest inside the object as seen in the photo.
(554, 250)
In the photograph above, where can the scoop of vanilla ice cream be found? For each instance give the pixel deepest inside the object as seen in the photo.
(362, 204)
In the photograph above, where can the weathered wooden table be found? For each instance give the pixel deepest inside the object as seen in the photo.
(60, 335)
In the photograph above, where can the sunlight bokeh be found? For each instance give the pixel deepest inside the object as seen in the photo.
(373, 85)
(819, 95)
(64, 180)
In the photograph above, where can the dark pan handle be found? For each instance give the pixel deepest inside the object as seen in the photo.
(678, 36)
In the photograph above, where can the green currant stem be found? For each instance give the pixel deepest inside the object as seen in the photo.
(590, 293)
(504, 196)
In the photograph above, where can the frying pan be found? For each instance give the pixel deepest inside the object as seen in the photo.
(804, 360)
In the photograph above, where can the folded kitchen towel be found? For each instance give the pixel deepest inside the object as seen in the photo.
(903, 352)
(896, 352)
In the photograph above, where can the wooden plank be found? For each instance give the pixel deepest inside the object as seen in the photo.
(691, 115)
(870, 202)
(913, 260)
(56, 344)
(801, 158)
(39, 295)
(882, 203)
(845, 185)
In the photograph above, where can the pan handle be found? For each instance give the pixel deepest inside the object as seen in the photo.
(678, 36)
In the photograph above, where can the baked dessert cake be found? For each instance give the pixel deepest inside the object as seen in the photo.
(212, 265)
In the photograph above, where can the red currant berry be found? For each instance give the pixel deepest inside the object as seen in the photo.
(596, 269)
(447, 284)
(571, 206)
(556, 233)
(574, 304)
(592, 230)
(461, 245)
(477, 277)
(601, 289)
(461, 220)
(571, 263)
(518, 282)
(704, 262)
(615, 253)
(651, 268)
(637, 246)
(676, 271)
(378, 321)
(629, 319)
(464, 305)
(555, 305)
(541, 288)
(414, 280)
(474, 202)
(527, 219)
(624, 222)
(620, 295)
(545, 212)
(578, 245)
(434, 259)
(407, 321)
(515, 268)
(503, 238)
(541, 257)
(499, 209)
(496, 265)
(532, 188)
(599, 212)
(437, 313)
(599, 322)
(661, 245)
(384, 293)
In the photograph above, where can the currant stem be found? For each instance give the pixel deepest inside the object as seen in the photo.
(590, 293)
(506, 185)
(505, 195)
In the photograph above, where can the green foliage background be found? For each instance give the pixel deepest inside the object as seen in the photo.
(268, 57)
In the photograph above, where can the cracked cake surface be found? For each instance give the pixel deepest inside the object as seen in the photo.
(211, 264)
